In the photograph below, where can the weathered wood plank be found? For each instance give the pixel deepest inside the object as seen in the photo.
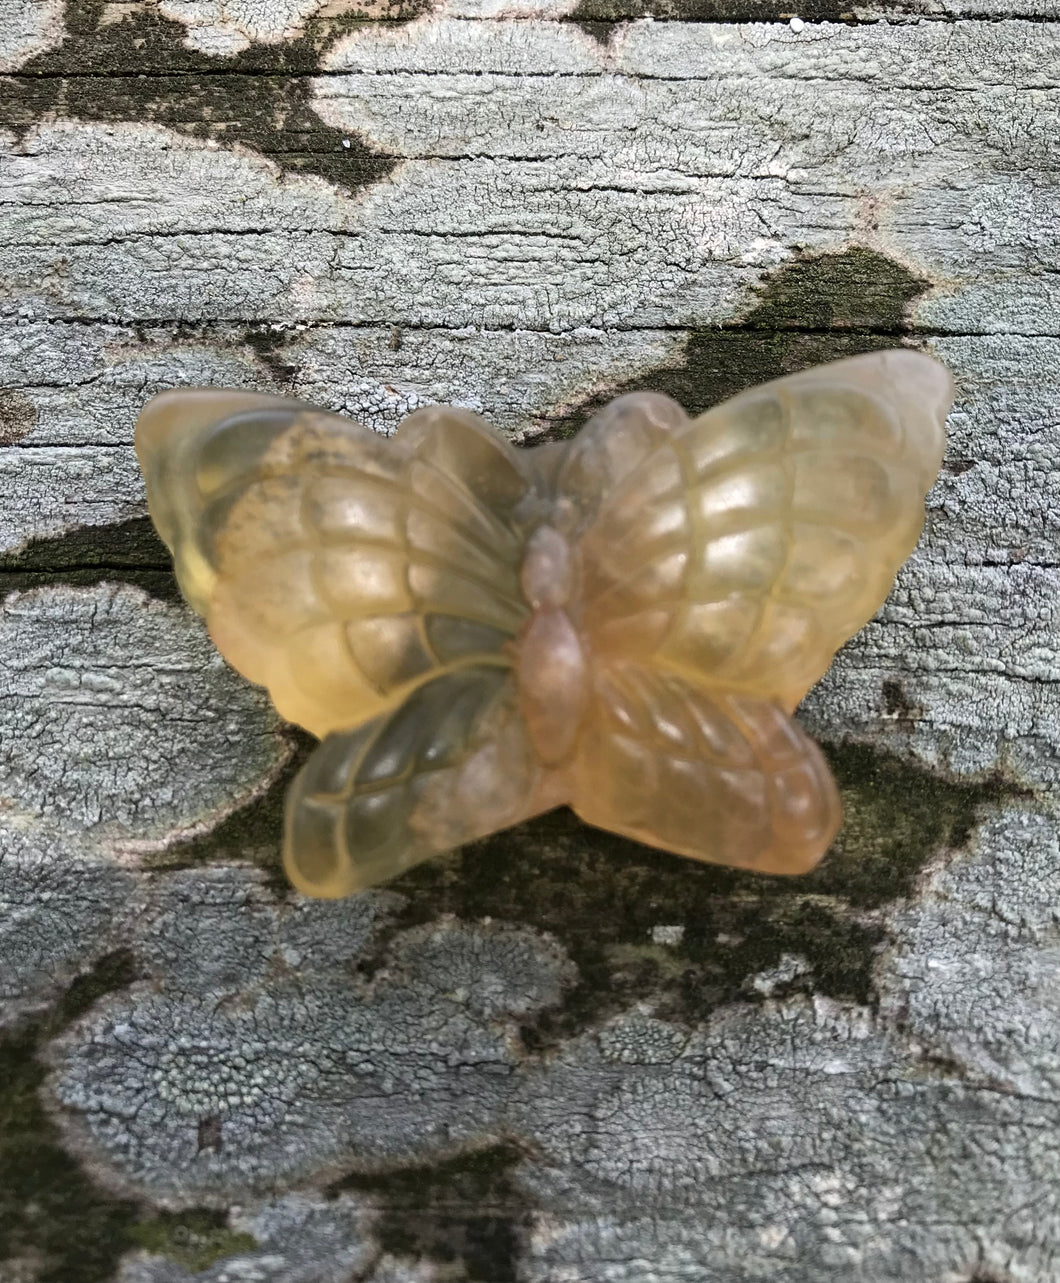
(646, 199)
(639, 195)
(554, 1055)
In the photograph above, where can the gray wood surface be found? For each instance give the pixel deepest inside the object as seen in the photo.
(553, 1057)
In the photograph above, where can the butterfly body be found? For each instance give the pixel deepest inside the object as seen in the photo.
(552, 667)
(623, 622)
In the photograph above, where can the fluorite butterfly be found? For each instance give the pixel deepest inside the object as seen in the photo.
(623, 622)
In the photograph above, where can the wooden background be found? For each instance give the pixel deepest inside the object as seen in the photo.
(553, 1057)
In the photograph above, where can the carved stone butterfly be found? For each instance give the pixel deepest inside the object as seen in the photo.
(623, 622)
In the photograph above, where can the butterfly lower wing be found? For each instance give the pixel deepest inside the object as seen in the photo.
(332, 565)
(451, 764)
(724, 778)
(745, 546)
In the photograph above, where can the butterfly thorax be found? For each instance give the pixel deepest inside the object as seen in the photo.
(550, 655)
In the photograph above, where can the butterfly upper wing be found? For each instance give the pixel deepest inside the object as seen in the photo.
(332, 565)
(723, 562)
(742, 548)
(450, 764)
(725, 778)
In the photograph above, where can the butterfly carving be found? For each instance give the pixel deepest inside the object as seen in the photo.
(623, 623)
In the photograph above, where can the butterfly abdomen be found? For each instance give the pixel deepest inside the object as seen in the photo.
(551, 664)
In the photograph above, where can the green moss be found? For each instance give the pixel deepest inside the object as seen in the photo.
(139, 69)
(194, 1239)
(809, 311)
(465, 1216)
(601, 895)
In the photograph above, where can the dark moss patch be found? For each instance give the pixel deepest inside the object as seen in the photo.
(600, 30)
(594, 12)
(159, 584)
(898, 704)
(958, 467)
(124, 552)
(112, 972)
(809, 311)
(143, 41)
(161, 40)
(131, 544)
(49, 1209)
(896, 816)
(195, 1239)
(466, 1215)
(269, 345)
(717, 364)
(254, 832)
(139, 70)
(858, 289)
(602, 895)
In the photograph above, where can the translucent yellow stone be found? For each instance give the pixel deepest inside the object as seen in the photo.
(623, 623)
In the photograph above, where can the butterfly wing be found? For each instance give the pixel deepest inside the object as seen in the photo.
(722, 777)
(332, 565)
(742, 548)
(452, 763)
